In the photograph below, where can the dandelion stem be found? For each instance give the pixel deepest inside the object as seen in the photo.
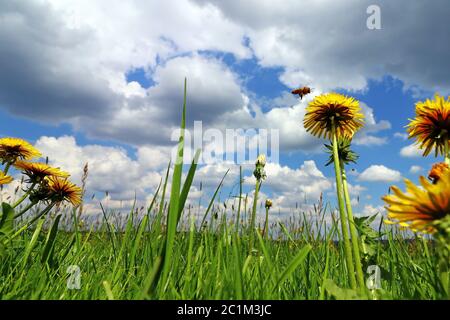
(253, 218)
(28, 207)
(446, 152)
(343, 216)
(8, 165)
(353, 231)
(238, 218)
(266, 224)
(26, 194)
(29, 223)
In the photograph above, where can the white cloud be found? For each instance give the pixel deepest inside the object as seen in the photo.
(103, 42)
(213, 92)
(380, 173)
(366, 135)
(356, 190)
(324, 43)
(287, 120)
(367, 140)
(401, 135)
(210, 175)
(411, 151)
(370, 210)
(294, 188)
(110, 168)
(415, 169)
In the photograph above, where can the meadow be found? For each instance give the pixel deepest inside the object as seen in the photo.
(163, 253)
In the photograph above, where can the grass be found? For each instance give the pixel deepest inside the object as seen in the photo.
(213, 263)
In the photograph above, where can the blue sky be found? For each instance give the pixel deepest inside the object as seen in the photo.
(103, 84)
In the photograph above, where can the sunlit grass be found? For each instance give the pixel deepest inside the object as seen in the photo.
(209, 264)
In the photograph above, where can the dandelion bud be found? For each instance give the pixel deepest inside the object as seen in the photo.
(259, 172)
(268, 204)
(261, 160)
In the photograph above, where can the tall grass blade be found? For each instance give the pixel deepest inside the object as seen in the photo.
(174, 206)
(299, 258)
(211, 202)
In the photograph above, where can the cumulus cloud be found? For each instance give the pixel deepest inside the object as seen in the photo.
(66, 61)
(110, 168)
(46, 74)
(411, 151)
(370, 210)
(380, 173)
(415, 169)
(213, 90)
(294, 188)
(401, 135)
(366, 135)
(344, 52)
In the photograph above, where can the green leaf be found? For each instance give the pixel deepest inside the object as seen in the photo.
(213, 198)
(138, 239)
(299, 258)
(238, 279)
(47, 254)
(6, 220)
(339, 293)
(33, 240)
(188, 183)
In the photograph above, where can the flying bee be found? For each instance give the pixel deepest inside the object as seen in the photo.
(303, 91)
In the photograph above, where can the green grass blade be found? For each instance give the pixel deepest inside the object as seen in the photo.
(188, 183)
(211, 202)
(50, 241)
(238, 280)
(33, 241)
(174, 205)
(6, 220)
(299, 258)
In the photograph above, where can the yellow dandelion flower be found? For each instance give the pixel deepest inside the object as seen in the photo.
(437, 171)
(4, 179)
(420, 207)
(431, 126)
(12, 149)
(61, 189)
(268, 204)
(37, 171)
(333, 108)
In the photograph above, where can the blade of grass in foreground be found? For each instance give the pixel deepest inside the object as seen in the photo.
(32, 242)
(110, 233)
(299, 258)
(50, 241)
(156, 225)
(188, 183)
(172, 219)
(212, 199)
(153, 277)
(238, 218)
(238, 283)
